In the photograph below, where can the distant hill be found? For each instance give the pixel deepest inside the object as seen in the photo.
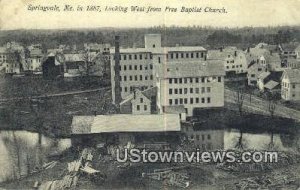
(208, 37)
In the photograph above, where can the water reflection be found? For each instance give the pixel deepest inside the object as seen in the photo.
(23, 152)
(207, 139)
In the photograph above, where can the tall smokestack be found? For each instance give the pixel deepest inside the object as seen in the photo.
(117, 72)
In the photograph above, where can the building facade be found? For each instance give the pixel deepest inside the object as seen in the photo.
(290, 85)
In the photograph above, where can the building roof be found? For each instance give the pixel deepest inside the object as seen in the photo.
(125, 123)
(36, 53)
(162, 50)
(293, 75)
(191, 69)
(174, 109)
(271, 84)
(3, 50)
(73, 57)
(147, 93)
(290, 46)
(264, 75)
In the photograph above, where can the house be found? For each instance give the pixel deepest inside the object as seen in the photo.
(140, 102)
(260, 60)
(234, 59)
(293, 63)
(124, 128)
(195, 85)
(136, 64)
(270, 81)
(34, 61)
(288, 50)
(290, 85)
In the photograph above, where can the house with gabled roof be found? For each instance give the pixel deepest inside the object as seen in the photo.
(290, 85)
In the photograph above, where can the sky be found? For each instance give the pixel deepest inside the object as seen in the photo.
(15, 14)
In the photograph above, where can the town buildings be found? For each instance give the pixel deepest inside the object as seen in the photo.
(290, 85)
(234, 60)
(270, 81)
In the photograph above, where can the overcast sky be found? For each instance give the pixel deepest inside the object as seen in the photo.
(14, 14)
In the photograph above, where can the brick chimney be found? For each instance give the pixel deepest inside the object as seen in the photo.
(118, 97)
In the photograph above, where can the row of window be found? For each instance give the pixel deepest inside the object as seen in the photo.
(233, 66)
(185, 55)
(136, 67)
(193, 80)
(181, 101)
(134, 56)
(136, 78)
(138, 107)
(287, 85)
(189, 90)
(202, 137)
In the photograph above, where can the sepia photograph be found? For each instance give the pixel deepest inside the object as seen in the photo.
(138, 94)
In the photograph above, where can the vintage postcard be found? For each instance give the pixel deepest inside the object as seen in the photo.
(149, 94)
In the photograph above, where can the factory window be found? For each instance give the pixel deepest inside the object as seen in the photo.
(175, 81)
(197, 90)
(176, 55)
(125, 67)
(181, 101)
(203, 90)
(219, 79)
(151, 77)
(125, 57)
(180, 90)
(135, 77)
(125, 89)
(202, 100)
(151, 66)
(141, 67)
(197, 55)
(125, 78)
(130, 57)
(170, 90)
(146, 68)
(187, 55)
(158, 59)
(170, 81)
(293, 86)
(185, 80)
(130, 78)
(145, 107)
(191, 80)
(151, 56)
(185, 100)
(203, 137)
(208, 100)
(153, 45)
(175, 91)
(141, 100)
(191, 100)
(141, 56)
(146, 56)
(197, 100)
(171, 55)
(202, 55)
(180, 81)
(185, 90)
(208, 89)
(182, 55)
(197, 80)
(203, 80)
(130, 67)
(191, 90)
(192, 136)
(176, 101)
(208, 137)
(135, 67)
(135, 56)
(146, 77)
(192, 55)
(138, 107)
(170, 102)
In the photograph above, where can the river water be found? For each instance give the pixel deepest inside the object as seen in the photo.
(22, 151)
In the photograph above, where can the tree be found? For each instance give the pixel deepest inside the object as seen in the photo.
(239, 98)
